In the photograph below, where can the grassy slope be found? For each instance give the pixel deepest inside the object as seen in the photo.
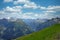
(49, 33)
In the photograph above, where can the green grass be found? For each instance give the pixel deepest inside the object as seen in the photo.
(50, 33)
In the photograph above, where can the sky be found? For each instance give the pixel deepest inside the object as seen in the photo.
(29, 9)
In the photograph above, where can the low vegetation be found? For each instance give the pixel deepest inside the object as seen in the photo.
(50, 33)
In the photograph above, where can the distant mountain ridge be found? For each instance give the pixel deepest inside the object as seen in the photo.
(38, 24)
(13, 28)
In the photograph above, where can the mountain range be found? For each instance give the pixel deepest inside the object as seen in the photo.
(11, 28)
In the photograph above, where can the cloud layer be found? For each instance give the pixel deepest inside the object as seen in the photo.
(17, 11)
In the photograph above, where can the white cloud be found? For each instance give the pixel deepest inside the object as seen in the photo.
(1, 12)
(27, 3)
(10, 12)
(16, 12)
(41, 7)
(36, 15)
(55, 8)
(21, 1)
(28, 15)
(30, 5)
(50, 11)
(8, 0)
(16, 9)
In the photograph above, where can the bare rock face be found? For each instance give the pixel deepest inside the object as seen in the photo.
(57, 20)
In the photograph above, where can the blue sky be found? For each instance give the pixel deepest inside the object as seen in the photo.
(29, 9)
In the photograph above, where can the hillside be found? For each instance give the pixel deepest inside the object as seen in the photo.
(50, 33)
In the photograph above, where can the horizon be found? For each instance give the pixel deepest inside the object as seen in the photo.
(28, 19)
